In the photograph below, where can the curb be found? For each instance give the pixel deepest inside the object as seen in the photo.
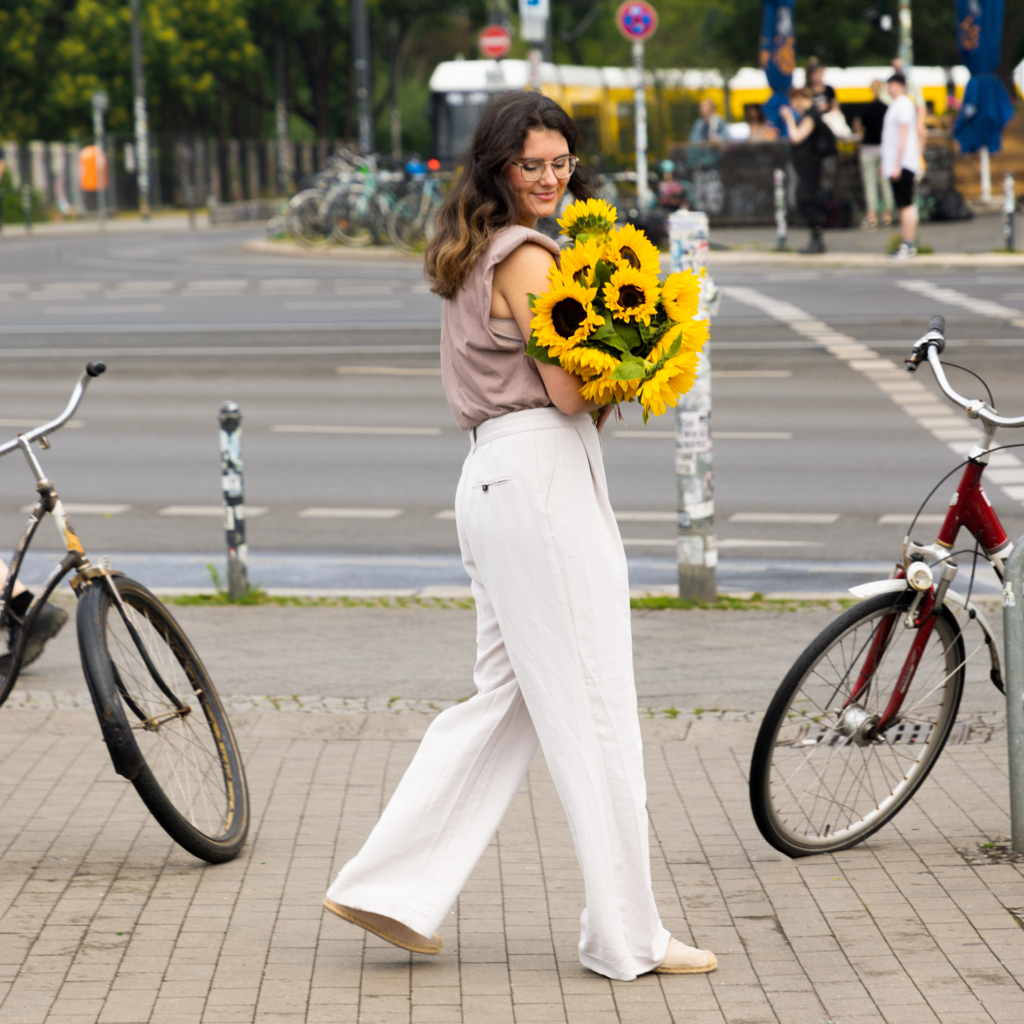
(848, 260)
(265, 247)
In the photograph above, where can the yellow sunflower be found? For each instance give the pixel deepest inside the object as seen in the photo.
(587, 362)
(630, 247)
(578, 262)
(588, 216)
(632, 294)
(675, 378)
(680, 295)
(605, 391)
(692, 335)
(564, 315)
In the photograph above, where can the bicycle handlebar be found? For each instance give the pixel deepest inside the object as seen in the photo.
(93, 369)
(930, 347)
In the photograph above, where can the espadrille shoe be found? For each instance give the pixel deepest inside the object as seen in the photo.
(682, 959)
(387, 928)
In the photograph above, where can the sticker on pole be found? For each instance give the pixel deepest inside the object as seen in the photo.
(636, 20)
(494, 41)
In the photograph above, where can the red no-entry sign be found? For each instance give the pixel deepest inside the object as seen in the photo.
(636, 20)
(494, 41)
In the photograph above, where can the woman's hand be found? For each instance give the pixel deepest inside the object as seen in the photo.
(602, 416)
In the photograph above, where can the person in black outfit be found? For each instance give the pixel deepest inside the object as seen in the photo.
(810, 139)
(869, 127)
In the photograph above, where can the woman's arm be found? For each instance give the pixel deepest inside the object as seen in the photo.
(523, 271)
(797, 132)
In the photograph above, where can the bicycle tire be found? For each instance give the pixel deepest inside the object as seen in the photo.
(350, 217)
(813, 788)
(306, 221)
(183, 761)
(410, 227)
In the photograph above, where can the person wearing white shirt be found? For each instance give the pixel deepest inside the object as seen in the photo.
(901, 160)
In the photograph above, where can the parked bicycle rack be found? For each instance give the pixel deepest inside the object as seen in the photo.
(1013, 642)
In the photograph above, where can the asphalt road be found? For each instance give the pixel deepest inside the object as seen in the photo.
(357, 488)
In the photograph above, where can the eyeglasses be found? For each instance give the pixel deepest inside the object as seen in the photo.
(533, 170)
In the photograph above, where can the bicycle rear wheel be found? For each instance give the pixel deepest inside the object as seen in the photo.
(813, 787)
(163, 722)
(351, 217)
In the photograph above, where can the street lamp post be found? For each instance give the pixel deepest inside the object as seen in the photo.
(141, 118)
(361, 49)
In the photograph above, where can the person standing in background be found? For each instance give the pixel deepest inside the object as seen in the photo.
(901, 161)
(869, 127)
(709, 127)
(809, 140)
(814, 72)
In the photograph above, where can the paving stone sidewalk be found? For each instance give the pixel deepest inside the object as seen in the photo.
(103, 919)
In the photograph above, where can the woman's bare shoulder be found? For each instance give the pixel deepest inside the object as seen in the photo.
(527, 257)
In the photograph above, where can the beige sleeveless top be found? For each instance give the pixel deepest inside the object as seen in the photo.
(484, 366)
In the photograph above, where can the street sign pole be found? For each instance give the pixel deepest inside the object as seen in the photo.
(99, 107)
(141, 117)
(640, 121)
(637, 21)
(533, 27)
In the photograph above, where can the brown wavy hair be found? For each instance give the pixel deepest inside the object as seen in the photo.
(482, 200)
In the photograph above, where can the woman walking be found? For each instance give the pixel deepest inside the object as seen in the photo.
(548, 571)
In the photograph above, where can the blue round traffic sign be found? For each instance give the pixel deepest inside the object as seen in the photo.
(636, 20)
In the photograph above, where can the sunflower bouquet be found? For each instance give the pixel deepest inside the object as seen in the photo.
(608, 318)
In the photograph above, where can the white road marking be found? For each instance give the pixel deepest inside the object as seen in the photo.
(24, 424)
(657, 542)
(447, 513)
(289, 285)
(215, 287)
(956, 431)
(783, 517)
(363, 288)
(251, 511)
(291, 428)
(347, 304)
(951, 297)
(54, 288)
(390, 371)
(420, 289)
(105, 310)
(906, 518)
(142, 286)
(77, 509)
(13, 286)
(715, 374)
(716, 435)
(736, 542)
(350, 513)
(646, 517)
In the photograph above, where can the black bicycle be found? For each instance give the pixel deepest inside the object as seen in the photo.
(164, 725)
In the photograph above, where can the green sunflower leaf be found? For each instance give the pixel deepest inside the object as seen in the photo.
(630, 368)
(629, 334)
(532, 298)
(540, 352)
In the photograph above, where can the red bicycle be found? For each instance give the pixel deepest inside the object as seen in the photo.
(862, 716)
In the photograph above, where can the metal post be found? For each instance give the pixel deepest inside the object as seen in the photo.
(232, 484)
(1009, 208)
(640, 124)
(25, 176)
(1013, 641)
(361, 49)
(906, 50)
(781, 227)
(141, 117)
(697, 546)
(284, 157)
(986, 175)
(99, 107)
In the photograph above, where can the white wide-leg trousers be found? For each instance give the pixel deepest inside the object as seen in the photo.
(555, 667)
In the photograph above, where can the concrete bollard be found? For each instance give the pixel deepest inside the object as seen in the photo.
(232, 485)
(781, 227)
(1009, 209)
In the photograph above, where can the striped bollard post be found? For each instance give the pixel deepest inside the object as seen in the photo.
(781, 227)
(232, 485)
(1009, 208)
(696, 545)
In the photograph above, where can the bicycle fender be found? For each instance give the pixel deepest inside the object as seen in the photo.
(866, 590)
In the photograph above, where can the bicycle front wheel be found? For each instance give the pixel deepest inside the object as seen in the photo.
(307, 223)
(412, 223)
(350, 217)
(819, 780)
(163, 721)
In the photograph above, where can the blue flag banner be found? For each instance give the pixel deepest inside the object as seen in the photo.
(777, 55)
(986, 107)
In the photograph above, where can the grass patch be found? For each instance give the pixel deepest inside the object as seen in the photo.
(219, 599)
(725, 603)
